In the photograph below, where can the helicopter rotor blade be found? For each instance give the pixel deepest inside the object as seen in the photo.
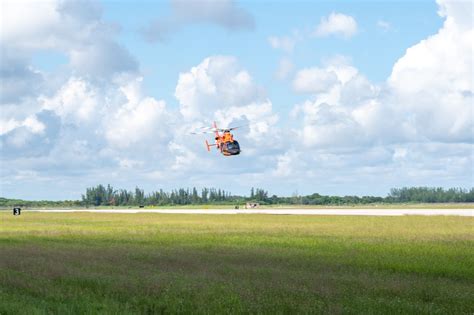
(236, 127)
(201, 132)
(229, 129)
(205, 130)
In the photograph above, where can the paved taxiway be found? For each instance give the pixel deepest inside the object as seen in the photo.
(293, 211)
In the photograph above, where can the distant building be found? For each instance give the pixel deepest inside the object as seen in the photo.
(252, 205)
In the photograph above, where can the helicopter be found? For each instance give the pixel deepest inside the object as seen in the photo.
(224, 141)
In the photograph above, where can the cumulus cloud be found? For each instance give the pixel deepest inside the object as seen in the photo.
(337, 24)
(218, 82)
(433, 81)
(119, 112)
(68, 123)
(224, 13)
(428, 95)
(140, 119)
(19, 79)
(288, 164)
(77, 101)
(103, 60)
(419, 124)
(34, 135)
(73, 28)
(30, 123)
(314, 80)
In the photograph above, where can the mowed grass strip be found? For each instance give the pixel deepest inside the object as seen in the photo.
(170, 263)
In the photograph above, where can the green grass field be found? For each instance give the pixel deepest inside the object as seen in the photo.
(91, 263)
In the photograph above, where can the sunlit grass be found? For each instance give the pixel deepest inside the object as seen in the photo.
(139, 263)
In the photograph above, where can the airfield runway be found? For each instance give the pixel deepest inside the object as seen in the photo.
(355, 212)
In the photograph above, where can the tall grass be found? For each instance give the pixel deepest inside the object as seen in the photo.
(159, 263)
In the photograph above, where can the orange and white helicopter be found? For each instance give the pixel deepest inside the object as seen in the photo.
(224, 141)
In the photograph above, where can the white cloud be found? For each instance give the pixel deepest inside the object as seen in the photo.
(102, 59)
(28, 134)
(419, 125)
(60, 99)
(288, 164)
(28, 23)
(216, 83)
(433, 81)
(399, 154)
(119, 111)
(19, 80)
(140, 119)
(73, 28)
(285, 43)
(224, 13)
(428, 96)
(77, 31)
(457, 12)
(259, 114)
(76, 101)
(329, 126)
(384, 25)
(31, 123)
(285, 68)
(314, 80)
(184, 159)
(336, 24)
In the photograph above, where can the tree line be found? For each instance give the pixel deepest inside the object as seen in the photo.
(102, 195)
(107, 196)
(9, 203)
(430, 194)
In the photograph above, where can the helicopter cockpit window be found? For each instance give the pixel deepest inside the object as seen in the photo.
(233, 145)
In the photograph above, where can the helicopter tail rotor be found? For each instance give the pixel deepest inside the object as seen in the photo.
(209, 146)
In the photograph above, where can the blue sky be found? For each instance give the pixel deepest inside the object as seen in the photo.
(373, 50)
(342, 97)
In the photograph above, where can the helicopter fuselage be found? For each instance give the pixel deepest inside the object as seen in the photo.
(230, 148)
